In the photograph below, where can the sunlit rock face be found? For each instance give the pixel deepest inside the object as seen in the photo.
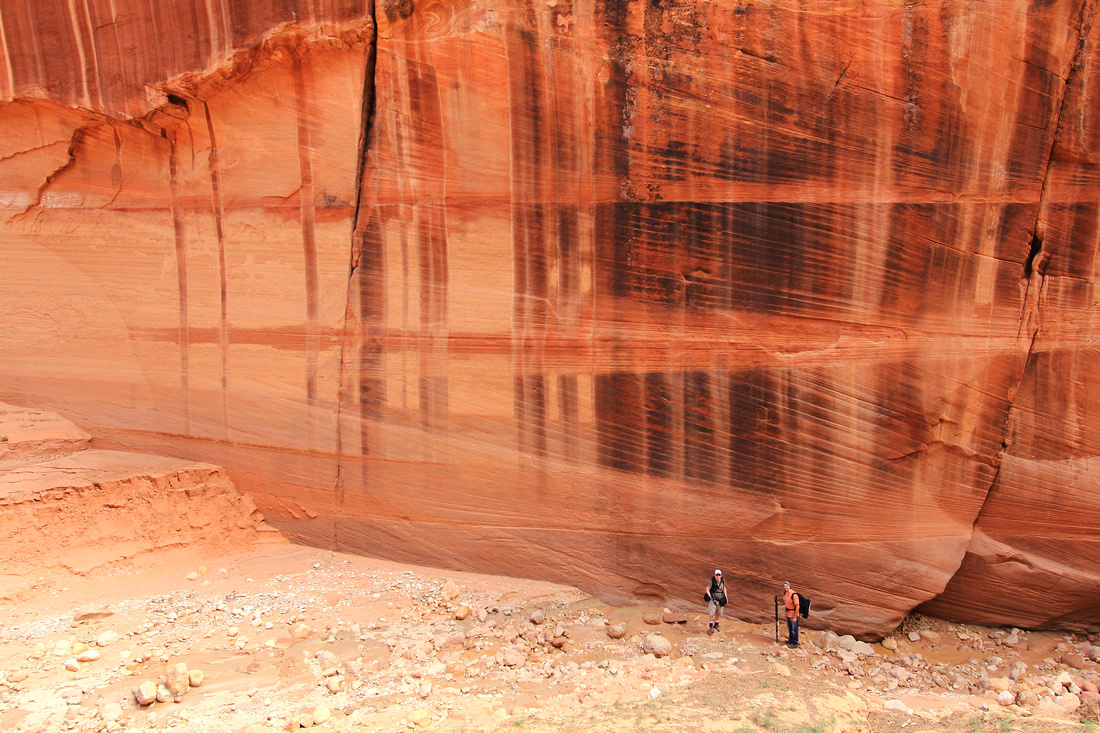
(604, 293)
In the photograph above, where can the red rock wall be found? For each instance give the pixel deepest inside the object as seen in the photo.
(606, 293)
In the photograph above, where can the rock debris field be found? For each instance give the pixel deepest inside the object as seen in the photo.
(287, 637)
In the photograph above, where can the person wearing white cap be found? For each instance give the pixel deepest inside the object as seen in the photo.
(716, 600)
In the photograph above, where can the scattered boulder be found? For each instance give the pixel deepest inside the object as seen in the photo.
(195, 677)
(929, 635)
(146, 693)
(176, 679)
(300, 630)
(675, 618)
(110, 712)
(462, 613)
(656, 645)
(890, 643)
(616, 631)
(512, 659)
(107, 638)
(164, 694)
(652, 618)
(321, 714)
(1006, 698)
(863, 649)
(72, 665)
(88, 655)
(1077, 661)
(537, 617)
(450, 591)
(913, 636)
(828, 640)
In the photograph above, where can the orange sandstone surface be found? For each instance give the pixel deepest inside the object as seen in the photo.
(607, 294)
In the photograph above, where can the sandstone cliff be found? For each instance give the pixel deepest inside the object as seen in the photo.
(604, 293)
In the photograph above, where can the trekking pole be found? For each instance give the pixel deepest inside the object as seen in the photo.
(776, 599)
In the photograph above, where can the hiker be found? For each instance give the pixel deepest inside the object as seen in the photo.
(790, 603)
(716, 600)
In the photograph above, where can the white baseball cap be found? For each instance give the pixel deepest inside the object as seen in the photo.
(717, 572)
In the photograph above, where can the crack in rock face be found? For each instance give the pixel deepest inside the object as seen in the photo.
(603, 295)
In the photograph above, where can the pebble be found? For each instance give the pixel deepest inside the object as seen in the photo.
(462, 613)
(321, 714)
(88, 655)
(72, 665)
(537, 617)
(195, 677)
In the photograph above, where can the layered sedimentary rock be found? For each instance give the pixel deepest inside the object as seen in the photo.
(604, 293)
(66, 511)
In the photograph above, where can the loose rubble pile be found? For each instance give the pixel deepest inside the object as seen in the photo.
(351, 644)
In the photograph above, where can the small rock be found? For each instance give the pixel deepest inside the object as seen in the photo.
(929, 635)
(110, 712)
(321, 714)
(675, 618)
(72, 665)
(450, 591)
(462, 613)
(656, 645)
(651, 618)
(781, 669)
(18, 676)
(91, 614)
(419, 717)
(327, 659)
(654, 693)
(193, 575)
(195, 677)
(300, 630)
(1006, 698)
(896, 705)
(176, 678)
(106, 638)
(1088, 696)
(481, 614)
(537, 617)
(890, 643)
(303, 720)
(512, 659)
(828, 640)
(913, 636)
(88, 655)
(146, 693)
(616, 631)
(164, 694)
(333, 684)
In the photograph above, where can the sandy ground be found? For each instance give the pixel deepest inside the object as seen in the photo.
(287, 636)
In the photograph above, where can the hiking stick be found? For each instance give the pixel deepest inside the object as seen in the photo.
(776, 620)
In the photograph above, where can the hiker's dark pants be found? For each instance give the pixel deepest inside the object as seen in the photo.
(792, 630)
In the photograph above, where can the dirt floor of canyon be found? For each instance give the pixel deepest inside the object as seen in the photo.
(285, 636)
